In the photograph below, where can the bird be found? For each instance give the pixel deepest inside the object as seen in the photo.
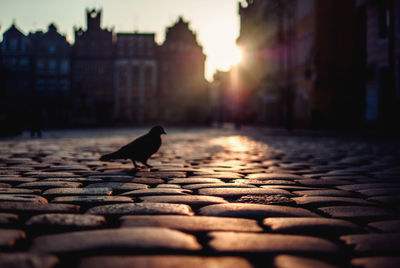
(141, 149)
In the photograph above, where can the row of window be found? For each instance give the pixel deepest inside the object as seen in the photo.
(52, 84)
(52, 66)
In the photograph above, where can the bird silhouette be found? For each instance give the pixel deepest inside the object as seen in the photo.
(140, 149)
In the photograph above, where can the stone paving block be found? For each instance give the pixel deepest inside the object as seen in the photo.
(311, 226)
(165, 185)
(348, 212)
(27, 260)
(216, 185)
(373, 243)
(8, 219)
(238, 192)
(274, 176)
(380, 191)
(5, 185)
(290, 187)
(329, 192)
(19, 191)
(364, 186)
(91, 199)
(329, 200)
(184, 199)
(43, 175)
(289, 261)
(269, 243)
(16, 180)
(66, 220)
(150, 181)
(192, 223)
(23, 198)
(140, 238)
(266, 199)
(166, 261)
(161, 174)
(77, 191)
(82, 180)
(8, 237)
(323, 182)
(386, 200)
(254, 211)
(377, 262)
(49, 184)
(265, 182)
(392, 226)
(28, 207)
(157, 191)
(119, 186)
(147, 208)
(194, 180)
(220, 175)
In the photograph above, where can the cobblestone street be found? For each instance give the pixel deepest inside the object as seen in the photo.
(214, 198)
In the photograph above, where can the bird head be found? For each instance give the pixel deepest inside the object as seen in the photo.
(157, 130)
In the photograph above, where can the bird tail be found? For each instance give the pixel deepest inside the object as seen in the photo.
(107, 157)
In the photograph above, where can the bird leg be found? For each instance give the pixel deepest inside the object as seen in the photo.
(134, 163)
(147, 165)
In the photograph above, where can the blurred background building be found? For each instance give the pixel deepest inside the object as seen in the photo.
(136, 78)
(184, 92)
(331, 63)
(306, 63)
(92, 74)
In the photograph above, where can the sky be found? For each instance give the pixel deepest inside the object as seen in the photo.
(216, 22)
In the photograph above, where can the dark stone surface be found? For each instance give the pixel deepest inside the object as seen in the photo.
(140, 238)
(192, 223)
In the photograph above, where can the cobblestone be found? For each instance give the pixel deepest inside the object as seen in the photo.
(159, 261)
(214, 198)
(140, 238)
(192, 223)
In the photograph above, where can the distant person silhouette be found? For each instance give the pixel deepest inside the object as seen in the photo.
(140, 149)
(36, 121)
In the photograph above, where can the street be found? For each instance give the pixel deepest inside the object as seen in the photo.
(214, 198)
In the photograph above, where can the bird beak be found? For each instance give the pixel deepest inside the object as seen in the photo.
(164, 132)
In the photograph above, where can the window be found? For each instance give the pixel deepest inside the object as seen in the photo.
(148, 80)
(13, 44)
(304, 7)
(52, 49)
(64, 67)
(64, 85)
(40, 66)
(135, 81)
(383, 19)
(52, 66)
(304, 49)
(24, 61)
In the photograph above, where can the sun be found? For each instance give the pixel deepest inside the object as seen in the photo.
(229, 57)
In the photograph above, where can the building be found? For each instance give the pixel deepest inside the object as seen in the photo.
(17, 57)
(381, 34)
(51, 76)
(301, 62)
(92, 71)
(135, 77)
(17, 78)
(183, 91)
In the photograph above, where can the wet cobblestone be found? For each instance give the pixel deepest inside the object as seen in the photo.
(214, 198)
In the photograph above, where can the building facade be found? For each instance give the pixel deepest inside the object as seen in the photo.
(183, 91)
(382, 38)
(51, 76)
(301, 62)
(17, 59)
(92, 71)
(135, 77)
